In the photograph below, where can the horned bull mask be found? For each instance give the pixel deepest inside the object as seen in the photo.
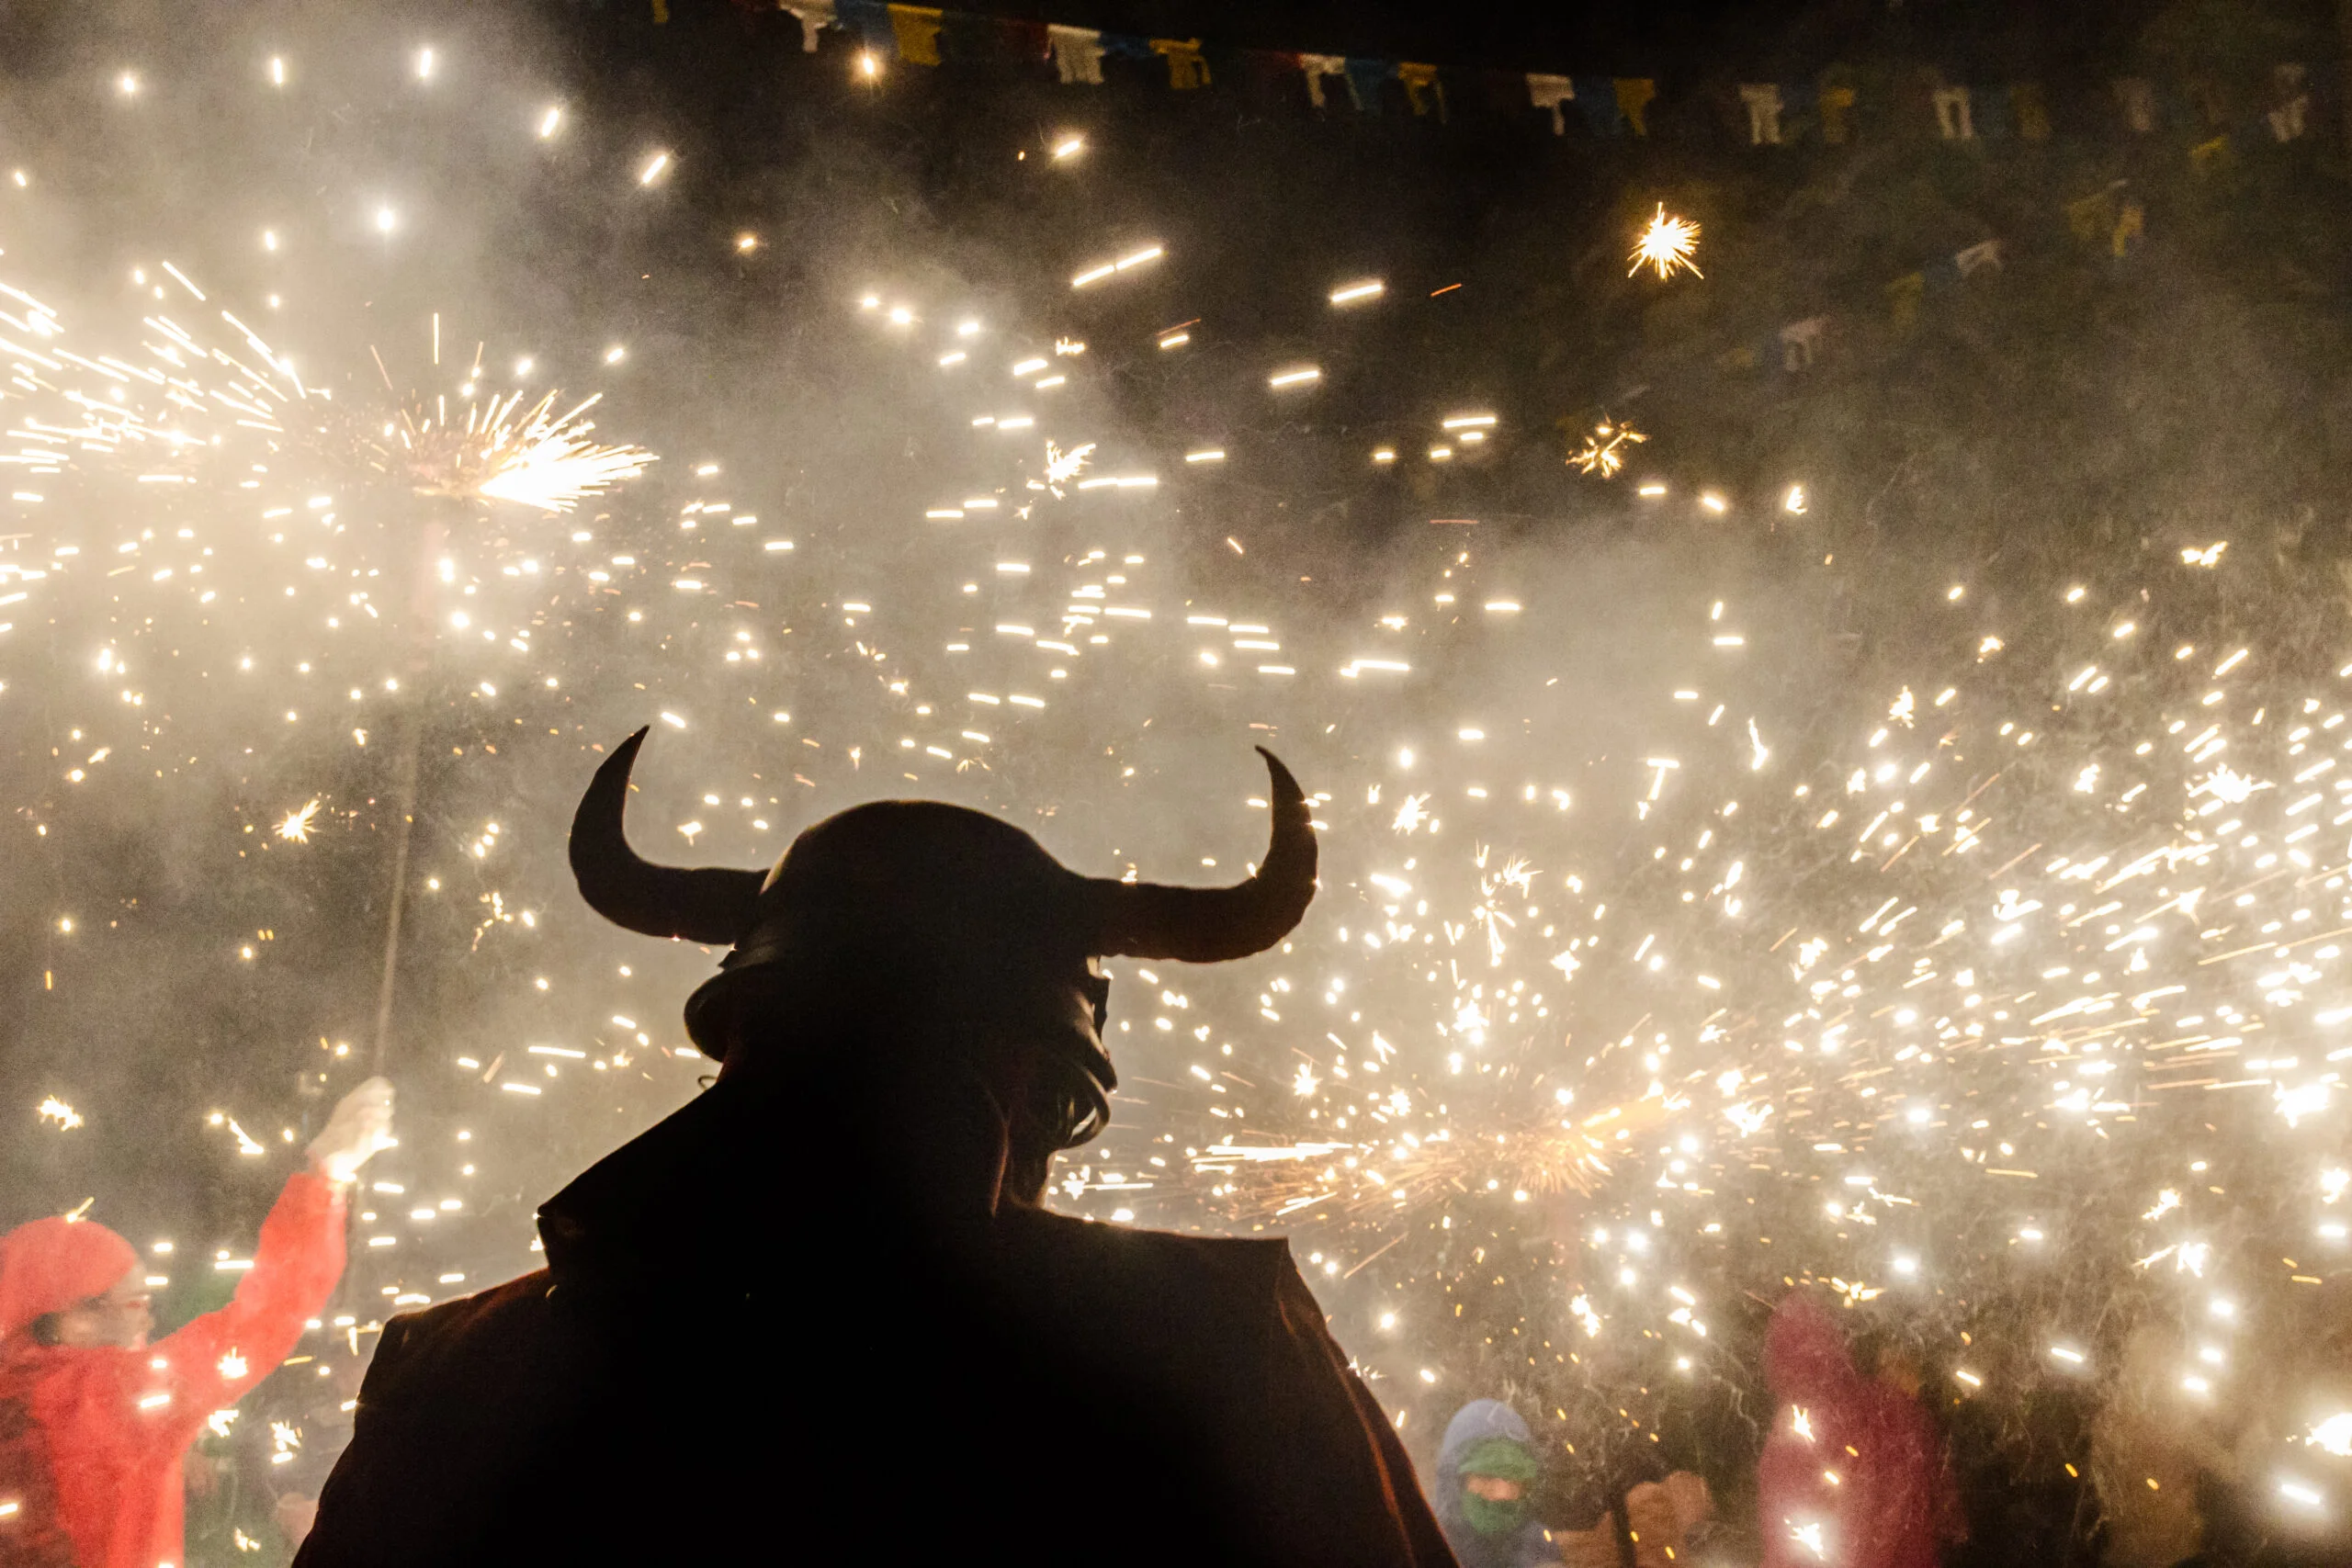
(931, 913)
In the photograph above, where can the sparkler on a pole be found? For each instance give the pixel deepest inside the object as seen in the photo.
(535, 458)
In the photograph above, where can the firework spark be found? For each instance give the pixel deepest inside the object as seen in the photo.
(296, 829)
(1666, 244)
(534, 459)
(1548, 1159)
(1604, 449)
(1061, 467)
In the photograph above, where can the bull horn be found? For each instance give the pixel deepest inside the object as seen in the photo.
(1207, 925)
(713, 904)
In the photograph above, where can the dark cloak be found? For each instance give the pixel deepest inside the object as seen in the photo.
(760, 1337)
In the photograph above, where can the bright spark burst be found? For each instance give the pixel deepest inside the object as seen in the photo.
(296, 829)
(1546, 1159)
(57, 1110)
(535, 459)
(1062, 467)
(2305, 1099)
(1666, 244)
(1604, 449)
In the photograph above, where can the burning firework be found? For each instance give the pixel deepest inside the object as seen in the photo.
(296, 827)
(1665, 246)
(535, 459)
(1378, 1185)
(1604, 449)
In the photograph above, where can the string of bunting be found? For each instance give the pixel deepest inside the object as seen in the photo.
(2110, 223)
(2282, 107)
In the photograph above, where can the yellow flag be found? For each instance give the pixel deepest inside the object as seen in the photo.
(1186, 69)
(916, 28)
(1421, 85)
(1634, 96)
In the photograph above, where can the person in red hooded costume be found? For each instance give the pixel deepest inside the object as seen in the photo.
(94, 1420)
(1853, 1472)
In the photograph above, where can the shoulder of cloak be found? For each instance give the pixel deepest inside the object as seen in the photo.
(1159, 1281)
(457, 1410)
(1202, 1317)
(1221, 1332)
(1225, 1335)
(452, 1386)
(506, 1326)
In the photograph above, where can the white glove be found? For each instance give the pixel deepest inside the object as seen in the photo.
(360, 1128)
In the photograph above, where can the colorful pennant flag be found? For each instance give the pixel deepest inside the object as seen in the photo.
(1318, 66)
(1549, 92)
(1633, 95)
(1422, 88)
(915, 29)
(1078, 53)
(1186, 68)
(1775, 113)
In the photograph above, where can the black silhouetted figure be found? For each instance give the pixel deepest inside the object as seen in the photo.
(819, 1314)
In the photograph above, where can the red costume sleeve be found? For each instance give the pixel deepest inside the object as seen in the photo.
(216, 1357)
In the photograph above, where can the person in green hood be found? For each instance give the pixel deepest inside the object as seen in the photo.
(1495, 1475)
(1487, 1472)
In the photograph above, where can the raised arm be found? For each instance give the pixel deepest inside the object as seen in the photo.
(215, 1358)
